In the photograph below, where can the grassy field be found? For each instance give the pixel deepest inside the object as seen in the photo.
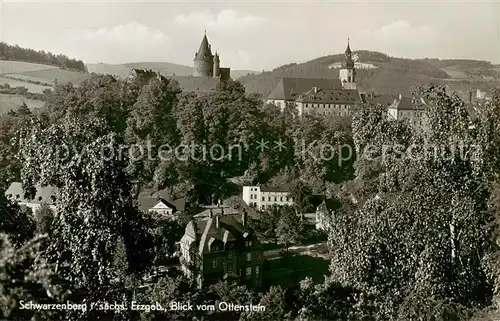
(37, 72)
(9, 102)
(9, 67)
(18, 83)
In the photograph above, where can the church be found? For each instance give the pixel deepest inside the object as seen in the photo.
(329, 97)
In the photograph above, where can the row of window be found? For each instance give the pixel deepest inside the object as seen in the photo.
(270, 198)
(327, 106)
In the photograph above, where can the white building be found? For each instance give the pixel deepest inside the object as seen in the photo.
(404, 108)
(43, 195)
(266, 197)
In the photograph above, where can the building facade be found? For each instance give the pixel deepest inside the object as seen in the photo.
(266, 197)
(405, 108)
(220, 247)
(328, 97)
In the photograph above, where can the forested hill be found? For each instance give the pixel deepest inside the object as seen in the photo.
(8, 52)
(391, 75)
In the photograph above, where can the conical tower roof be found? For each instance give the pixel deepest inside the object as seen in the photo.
(204, 52)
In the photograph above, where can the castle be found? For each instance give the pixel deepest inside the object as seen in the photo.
(208, 65)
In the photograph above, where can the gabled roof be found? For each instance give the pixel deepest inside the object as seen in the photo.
(405, 103)
(331, 96)
(289, 88)
(44, 195)
(196, 84)
(384, 100)
(230, 229)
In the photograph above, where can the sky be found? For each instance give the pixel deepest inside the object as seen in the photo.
(252, 35)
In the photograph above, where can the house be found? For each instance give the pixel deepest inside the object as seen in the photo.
(221, 247)
(324, 213)
(160, 203)
(328, 102)
(266, 197)
(405, 108)
(43, 195)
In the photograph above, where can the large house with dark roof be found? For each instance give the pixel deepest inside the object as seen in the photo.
(221, 247)
(329, 97)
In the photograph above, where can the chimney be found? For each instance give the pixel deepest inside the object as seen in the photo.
(217, 221)
(222, 210)
(400, 96)
(244, 217)
(470, 97)
(211, 213)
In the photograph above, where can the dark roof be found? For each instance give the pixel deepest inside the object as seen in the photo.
(204, 51)
(384, 100)
(290, 88)
(230, 229)
(47, 194)
(283, 189)
(196, 84)
(331, 96)
(405, 103)
(216, 210)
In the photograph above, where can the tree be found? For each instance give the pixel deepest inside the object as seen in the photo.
(276, 307)
(44, 216)
(424, 229)
(95, 208)
(26, 277)
(290, 227)
(16, 222)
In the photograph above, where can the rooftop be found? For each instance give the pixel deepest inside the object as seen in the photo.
(290, 88)
(207, 232)
(330, 96)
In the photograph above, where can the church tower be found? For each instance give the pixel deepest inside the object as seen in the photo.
(348, 72)
(204, 60)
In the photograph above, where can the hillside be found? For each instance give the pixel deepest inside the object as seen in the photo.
(165, 68)
(392, 75)
(16, 53)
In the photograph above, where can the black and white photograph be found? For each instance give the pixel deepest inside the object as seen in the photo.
(313, 160)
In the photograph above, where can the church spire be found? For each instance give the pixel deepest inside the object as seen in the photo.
(348, 56)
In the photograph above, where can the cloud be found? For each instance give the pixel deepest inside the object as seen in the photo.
(129, 33)
(120, 43)
(398, 38)
(225, 19)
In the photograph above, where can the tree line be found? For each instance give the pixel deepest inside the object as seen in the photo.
(9, 52)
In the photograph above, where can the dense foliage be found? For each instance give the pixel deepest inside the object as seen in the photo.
(8, 52)
(415, 238)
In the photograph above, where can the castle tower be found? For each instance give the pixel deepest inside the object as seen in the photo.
(204, 60)
(348, 72)
(216, 72)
